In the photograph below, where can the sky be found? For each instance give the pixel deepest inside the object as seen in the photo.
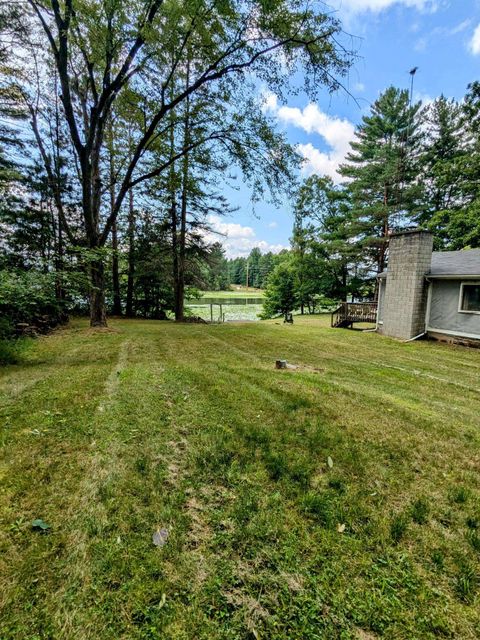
(441, 37)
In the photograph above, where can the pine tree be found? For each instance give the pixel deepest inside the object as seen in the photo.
(443, 159)
(382, 169)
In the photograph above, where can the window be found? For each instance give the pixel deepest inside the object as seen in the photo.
(470, 297)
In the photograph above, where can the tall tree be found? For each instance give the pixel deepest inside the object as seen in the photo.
(322, 240)
(452, 159)
(382, 169)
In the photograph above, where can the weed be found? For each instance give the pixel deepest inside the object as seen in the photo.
(322, 507)
(398, 527)
(473, 537)
(438, 558)
(459, 495)
(276, 465)
(337, 485)
(420, 510)
(466, 581)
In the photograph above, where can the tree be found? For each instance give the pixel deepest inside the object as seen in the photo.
(325, 255)
(452, 162)
(101, 50)
(382, 169)
(442, 148)
(281, 295)
(216, 276)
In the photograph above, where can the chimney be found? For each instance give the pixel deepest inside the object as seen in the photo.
(405, 302)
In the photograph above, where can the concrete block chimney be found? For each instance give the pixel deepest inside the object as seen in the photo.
(405, 302)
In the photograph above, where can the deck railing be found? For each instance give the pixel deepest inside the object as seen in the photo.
(349, 312)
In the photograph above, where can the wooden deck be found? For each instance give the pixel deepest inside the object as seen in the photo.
(350, 312)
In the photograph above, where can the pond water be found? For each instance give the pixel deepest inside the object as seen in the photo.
(233, 309)
(228, 301)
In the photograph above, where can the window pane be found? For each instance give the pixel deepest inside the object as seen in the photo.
(471, 297)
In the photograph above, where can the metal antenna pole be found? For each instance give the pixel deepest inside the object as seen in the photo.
(412, 73)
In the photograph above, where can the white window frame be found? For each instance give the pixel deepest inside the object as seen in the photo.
(460, 300)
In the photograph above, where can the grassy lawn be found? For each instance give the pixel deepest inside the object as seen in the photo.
(336, 500)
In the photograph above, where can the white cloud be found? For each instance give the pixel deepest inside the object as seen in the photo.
(359, 86)
(474, 44)
(421, 45)
(360, 6)
(272, 225)
(318, 162)
(269, 101)
(460, 27)
(337, 133)
(441, 32)
(425, 98)
(237, 240)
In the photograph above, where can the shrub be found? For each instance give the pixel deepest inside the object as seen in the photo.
(8, 351)
(25, 296)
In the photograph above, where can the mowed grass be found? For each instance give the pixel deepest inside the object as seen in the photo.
(336, 500)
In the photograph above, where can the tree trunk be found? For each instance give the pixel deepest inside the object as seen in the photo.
(97, 294)
(59, 292)
(131, 256)
(180, 288)
(117, 303)
(174, 222)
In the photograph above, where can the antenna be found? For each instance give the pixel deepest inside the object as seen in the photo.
(412, 73)
(406, 141)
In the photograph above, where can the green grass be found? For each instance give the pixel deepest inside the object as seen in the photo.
(109, 435)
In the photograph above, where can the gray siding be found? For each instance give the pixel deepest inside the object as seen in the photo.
(444, 314)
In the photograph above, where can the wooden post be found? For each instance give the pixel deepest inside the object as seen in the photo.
(211, 312)
(221, 314)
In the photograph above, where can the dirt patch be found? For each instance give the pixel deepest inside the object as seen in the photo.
(365, 635)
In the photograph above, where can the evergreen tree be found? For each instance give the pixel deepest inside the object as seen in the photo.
(457, 224)
(281, 297)
(382, 168)
(443, 161)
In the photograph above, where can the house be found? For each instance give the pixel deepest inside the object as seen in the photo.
(429, 292)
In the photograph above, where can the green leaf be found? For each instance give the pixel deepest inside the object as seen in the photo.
(330, 462)
(40, 524)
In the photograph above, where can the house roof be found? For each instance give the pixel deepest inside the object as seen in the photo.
(448, 264)
(455, 263)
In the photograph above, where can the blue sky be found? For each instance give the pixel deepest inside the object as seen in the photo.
(441, 37)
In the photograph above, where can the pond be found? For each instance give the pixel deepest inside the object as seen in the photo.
(233, 309)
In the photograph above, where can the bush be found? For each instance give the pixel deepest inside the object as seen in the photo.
(8, 351)
(26, 296)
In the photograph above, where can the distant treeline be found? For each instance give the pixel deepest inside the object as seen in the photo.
(252, 271)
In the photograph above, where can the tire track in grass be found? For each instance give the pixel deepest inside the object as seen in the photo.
(113, 380)
(135, 420)
(86, 508)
